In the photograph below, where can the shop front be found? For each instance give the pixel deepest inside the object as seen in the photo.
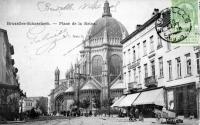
(149, 100)
(145, 101)
(182, 100)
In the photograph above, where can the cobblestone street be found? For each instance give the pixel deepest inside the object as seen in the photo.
(102, 121)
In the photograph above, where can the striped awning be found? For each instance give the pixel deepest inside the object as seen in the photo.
(116, 103)
(128, 100)
(151, 97)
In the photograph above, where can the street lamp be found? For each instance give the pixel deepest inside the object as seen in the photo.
(77, 76)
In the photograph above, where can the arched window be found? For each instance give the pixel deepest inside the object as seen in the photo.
(97, 62)
(115, 66)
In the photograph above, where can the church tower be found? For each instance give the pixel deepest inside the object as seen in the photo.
(57, 77)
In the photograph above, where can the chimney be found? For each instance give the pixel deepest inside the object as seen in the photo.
(155, 11)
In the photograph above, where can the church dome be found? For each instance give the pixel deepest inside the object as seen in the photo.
(108, 26)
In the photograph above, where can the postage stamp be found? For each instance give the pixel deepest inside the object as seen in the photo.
(179, 24)
(174, 25)
(192, 9)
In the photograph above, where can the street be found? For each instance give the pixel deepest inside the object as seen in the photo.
(102, 121)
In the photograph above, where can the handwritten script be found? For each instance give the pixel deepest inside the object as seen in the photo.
(47, 41)
(49, 7)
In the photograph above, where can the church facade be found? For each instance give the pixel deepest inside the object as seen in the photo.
(97, 75)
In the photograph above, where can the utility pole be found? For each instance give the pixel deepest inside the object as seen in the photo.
(78, 86)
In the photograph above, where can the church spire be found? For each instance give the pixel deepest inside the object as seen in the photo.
(106, 10)
(57, 77)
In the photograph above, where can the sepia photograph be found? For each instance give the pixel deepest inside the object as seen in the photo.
(99, 62)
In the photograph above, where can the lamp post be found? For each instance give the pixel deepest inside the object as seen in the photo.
(77, 76)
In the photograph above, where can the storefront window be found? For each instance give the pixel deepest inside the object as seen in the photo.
(170, 100)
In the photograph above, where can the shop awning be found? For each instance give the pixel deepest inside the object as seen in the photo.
(151, 97)
(116, 103)
(128, 100)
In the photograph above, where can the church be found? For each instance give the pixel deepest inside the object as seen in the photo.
(98, 73)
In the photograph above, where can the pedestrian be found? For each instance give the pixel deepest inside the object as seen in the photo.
(131, 114)
(136, 113)
(141, 118)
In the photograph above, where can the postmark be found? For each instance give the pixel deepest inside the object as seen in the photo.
(181, 25)
(174, 25)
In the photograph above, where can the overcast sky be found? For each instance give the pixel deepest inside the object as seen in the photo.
(35, 56)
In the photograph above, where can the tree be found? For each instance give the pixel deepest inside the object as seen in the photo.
(106, 103)
(97, 103)
(85, 104)
(42, 105)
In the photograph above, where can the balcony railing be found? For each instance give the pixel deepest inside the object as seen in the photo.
(132, 85)
(151, 81)
(134, 64)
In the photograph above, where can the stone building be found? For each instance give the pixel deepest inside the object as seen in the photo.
(9, 86)
(39, 103)
(150, 61)
(99, 69)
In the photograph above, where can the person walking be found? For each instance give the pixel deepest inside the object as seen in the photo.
(131, 112)
(136, 113)
(141, 118)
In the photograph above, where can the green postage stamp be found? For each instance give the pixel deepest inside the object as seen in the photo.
(185, 17)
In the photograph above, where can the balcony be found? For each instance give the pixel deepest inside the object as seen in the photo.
(134, 64)
(151, 81)
(132, 85)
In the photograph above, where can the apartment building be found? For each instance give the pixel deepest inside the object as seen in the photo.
(9, 86)
(150, 61)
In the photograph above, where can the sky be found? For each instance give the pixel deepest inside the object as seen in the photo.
(39, 49)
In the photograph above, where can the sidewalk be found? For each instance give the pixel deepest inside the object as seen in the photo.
(46, 118)
(147, 121)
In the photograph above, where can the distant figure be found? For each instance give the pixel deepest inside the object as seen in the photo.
(131, 114)
(141, 118)
(136, 113)
(90, 113)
